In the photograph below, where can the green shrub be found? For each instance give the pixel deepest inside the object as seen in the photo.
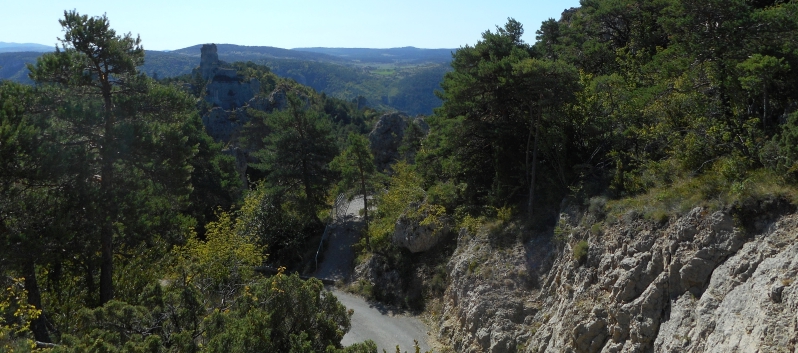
(597, 206)
(363, 288)
(596, 229)
(504, 214)
(580, 251)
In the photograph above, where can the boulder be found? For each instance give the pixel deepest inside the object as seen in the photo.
(411, 234)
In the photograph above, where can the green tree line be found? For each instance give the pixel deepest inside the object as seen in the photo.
(616, 99)
(125, 228)
(655, 106)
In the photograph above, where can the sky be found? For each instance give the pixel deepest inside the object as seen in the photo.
(176, 24)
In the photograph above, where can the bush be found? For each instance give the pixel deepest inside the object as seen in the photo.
(595, 229)
(580, 251)
(15, 318)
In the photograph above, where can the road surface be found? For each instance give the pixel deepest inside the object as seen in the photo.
(381, 324)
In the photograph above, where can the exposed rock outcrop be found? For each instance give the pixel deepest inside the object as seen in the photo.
(209, 61)
(387, 136)
(705, 282)
(225, 88)
(410, 233)
(230, 95)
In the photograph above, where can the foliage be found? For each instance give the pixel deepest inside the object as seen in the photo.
(627, 97)
(282, 313)
(16, 316)
(297, 154)
(715, 190)
(214, 179)
(357, 169)
(266, 219)
(403, 194)
(128, 128)
(278, 314)
(580, 251)
(224, 260)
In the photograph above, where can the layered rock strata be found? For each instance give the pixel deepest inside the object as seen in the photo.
(705, 282)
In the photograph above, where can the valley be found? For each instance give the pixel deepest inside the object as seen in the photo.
(626, 181)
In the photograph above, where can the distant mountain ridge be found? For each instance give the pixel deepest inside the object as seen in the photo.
(258, 51)
(404, 54)
(6, 47)
(401, 79)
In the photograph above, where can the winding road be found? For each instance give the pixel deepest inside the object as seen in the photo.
(386, 326)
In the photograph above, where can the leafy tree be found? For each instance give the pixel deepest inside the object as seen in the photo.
(759, 76)
(214, 179)
(268, 220)
(16, 317)
(35, 227)
(403, 196)
(280, 314)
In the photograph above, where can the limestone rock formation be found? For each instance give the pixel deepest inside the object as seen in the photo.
(225, 88)
(229, 91)
(386, 282)
(705, 282)
(209, 61)
(416, 237)
(387, 136)
(230, 95)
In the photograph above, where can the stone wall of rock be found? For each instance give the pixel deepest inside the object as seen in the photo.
(705, 282)
(410, 233)
(209, 61)
(229, 96)
(387, 135)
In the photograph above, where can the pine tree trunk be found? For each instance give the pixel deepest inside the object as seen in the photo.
(38, 326)
(533, 171)
(106, 185)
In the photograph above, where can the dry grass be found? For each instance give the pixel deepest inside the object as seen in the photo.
(712, 191)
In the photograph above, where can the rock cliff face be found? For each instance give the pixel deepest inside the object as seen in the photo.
(229, 96)
(225, 88)
(209, 61)
(706, 282)
(410, 233)
(387, 136)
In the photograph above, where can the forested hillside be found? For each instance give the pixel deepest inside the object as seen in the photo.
(136, 213)
(402, 79)
(125, 227)
(620, 119)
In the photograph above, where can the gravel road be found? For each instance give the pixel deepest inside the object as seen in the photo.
(381, 324)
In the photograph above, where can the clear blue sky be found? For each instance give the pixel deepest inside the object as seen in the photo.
(175, 24)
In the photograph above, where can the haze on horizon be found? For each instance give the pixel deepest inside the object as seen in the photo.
(170, 25)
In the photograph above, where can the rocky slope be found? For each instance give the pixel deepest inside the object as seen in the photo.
(705, 282)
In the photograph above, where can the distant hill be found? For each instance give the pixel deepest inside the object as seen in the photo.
(392, 55)
(12, 65)
(253, 53)
(401, 79)
(23, 47)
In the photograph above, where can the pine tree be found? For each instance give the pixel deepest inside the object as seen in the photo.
(128, 126)
(297, 153)
(356, 165)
